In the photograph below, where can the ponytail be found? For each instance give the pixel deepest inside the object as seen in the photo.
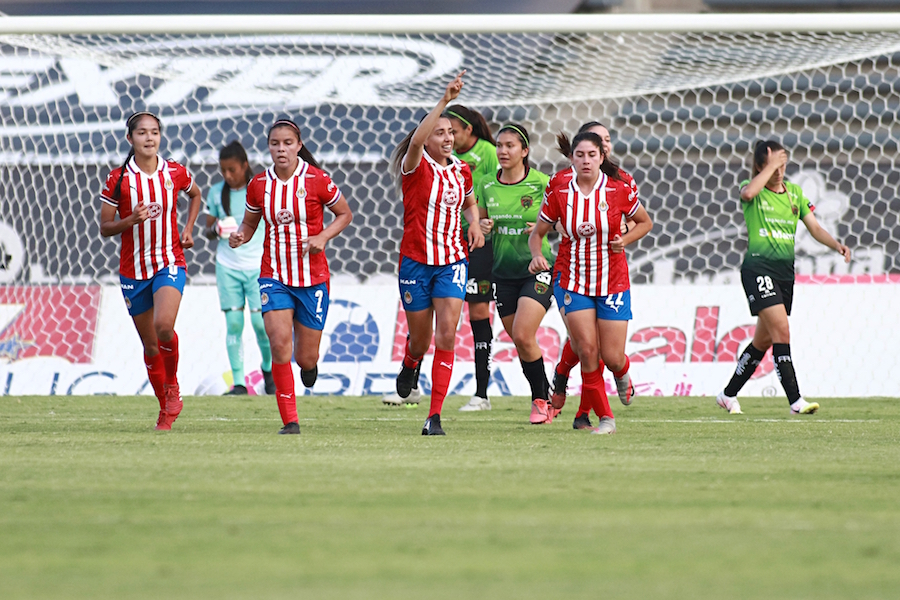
(475, 119)
(118, 191)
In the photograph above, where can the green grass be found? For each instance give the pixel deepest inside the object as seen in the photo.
(684, 502)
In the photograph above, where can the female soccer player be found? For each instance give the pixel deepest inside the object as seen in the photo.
(144, 193)
(591, 285)
(510, 200)
(290, 196)
(436, 188)
(772, 207)
(237, 269)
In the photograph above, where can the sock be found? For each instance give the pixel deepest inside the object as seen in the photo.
(483, 334)
(746, 366)
(410, 361)
(262, 339)
(441, 371)
(284, 392)
(785, 367)
(585, 407)
(169, 351)
(234, 329)
(537, 378)
(593, 387)
(621, 372)
(156, 373)
(568, 360)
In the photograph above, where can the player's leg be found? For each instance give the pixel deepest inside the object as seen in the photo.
(278, 317)
(140, 305)
(310, 312)
(446, 315)
(168, 286)
(583, 329)
(251, 293)
(478, 297)
(526, 321)
(613, 314)
(415, 281)
(231, 301)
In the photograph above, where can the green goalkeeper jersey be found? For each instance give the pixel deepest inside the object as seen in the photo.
(482, 161)
(771, 224)
(512, 206)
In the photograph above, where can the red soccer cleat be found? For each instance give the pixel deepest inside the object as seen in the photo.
(173, 403)
(162, 422)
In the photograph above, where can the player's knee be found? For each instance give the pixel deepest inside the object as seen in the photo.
(164, 332)
(588, 352)
(444, 340)
(307, 359)
(524, 340)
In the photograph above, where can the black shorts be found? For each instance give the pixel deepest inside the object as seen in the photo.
(481, 263)
(763, 291)
(508, 291)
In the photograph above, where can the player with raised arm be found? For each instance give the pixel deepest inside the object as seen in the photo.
(509, 201)
(290, 196)
(152, 269)
(591, 283)
(437, 190)
(772, 207)
(237, 269)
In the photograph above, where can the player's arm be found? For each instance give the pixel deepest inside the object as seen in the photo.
(823, 237)
(196, 201)
(417, 142)
(774, 161)
(535, 241)
(210, 230)
(109, 226)
(246, 230)
(342, 217)
(642, 226)
(470, 210)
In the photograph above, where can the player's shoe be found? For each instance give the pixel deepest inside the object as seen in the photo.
(729, 403)
(433, 426)
(558, 391)
(476, 403)
(406, 380)
(539, 412)
(802, 407)
(269, 382)
(173, 403)
(625, 388)
(582, 422)
(309, 377)
(238, 390)
(607, 425)
(162, 422)
(415, 396)
(553, 412)
(290, 428)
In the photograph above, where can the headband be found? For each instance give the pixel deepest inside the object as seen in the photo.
(517, 130)
(140, 114)
(456, 115)
(287, 122)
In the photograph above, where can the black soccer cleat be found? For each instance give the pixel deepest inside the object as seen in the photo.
(309, 377)
(433, 426)
(582, 422)
(416, 378)
(269, 382)
(407, 379)
(558, 390)
(238, 390)
(290, 428)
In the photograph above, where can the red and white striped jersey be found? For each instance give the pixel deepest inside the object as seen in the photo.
(433, 196)
(154, 244)
(585, 264)
(293, 211)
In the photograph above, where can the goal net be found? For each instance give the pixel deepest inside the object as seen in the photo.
(685, 103)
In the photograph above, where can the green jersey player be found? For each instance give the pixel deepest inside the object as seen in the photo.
(772, 208)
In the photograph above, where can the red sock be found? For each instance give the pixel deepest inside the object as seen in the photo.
(169, 352)
(593, 387)
(624, 369)
(585, 407)
(441, 371)
(410, 361)
(568, 360)
(156, 373)
(284, 392)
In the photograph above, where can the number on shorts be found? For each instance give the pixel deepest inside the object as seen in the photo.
(765, 283)
(320, 295)
(614, 301)
(459, 275)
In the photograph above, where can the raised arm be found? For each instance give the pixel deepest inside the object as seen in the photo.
(774, 161)
(417, 143)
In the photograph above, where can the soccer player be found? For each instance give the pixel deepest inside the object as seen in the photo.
(510, 201)
(237, 269)
(772, 207)
(152, 269)
(437, 189)
(591, 284)
(291, 196)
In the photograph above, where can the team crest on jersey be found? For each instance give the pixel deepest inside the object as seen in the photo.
(451, 198)
(407, 297)
(603, 205)
(567, 299)
(586, 230)
(795, 209)
(284, 217)
(527, 202)
(301, 193)
(169, 185)
(154, 210)
(264, 298)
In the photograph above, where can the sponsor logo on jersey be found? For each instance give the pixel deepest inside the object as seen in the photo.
(407, 282)
(586, 230)
(264, 298)
(284, 217)
(127, 286)
(527, 202)
(331, 186)
(451, 198)
(154, 209)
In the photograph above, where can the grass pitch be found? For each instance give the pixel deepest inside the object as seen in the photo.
(684, 502)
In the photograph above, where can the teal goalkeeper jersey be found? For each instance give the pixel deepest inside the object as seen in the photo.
(771, 225)
(482, 161)
(512, 206)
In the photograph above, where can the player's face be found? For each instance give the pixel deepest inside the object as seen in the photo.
(145, 137)
(284, 144)
(587, 158)
(440, 143)
(510, 152)
(234, 171)
(603, 132)
(462, 135)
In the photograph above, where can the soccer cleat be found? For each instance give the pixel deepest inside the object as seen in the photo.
(415, 396)
(539, 413)
(476, 403)
(802, 407)
(433, 426)
(625, 388)
(173, 403)
(582, 422)
(290, 428)
(238, 390)
(729, 403)
(162, 422)
(309, 377)
(269, 382)
(406, 380)
(558, 393)
(607, 425)
(553, 412)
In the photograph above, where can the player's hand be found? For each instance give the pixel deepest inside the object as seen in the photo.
(476, 238)
(777, 158)
(315, 244)
(845, 252)
(529, 227)
(454, 87)
(187, 239)
(558, 227)
(236, 239)
(486, 225)
(140, 214)
(537, 265)
(617, 246)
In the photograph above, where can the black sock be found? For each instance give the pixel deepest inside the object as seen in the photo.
(746, 366)
(481, 331)
(785, 367)
(537, 378)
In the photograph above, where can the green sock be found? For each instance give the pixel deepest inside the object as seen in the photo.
(234, 322)
(256, 319)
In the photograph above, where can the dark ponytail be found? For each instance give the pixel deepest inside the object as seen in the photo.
(564, 146)
(233, 151)
(522, 134)
(761, 154)
(400, 151)
(130, 124)
(304, 152)
(468, 117)
(608, 166)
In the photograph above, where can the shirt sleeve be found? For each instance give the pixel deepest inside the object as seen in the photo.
(467, 179)
(182, 177)
(328, 192)
(549, 209)
(479, 195)
(806, 205)
(255, 195)
(629, 193)
(109, 187)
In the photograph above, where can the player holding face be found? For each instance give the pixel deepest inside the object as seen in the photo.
(437, 189)
(144, 193)
(290, 196)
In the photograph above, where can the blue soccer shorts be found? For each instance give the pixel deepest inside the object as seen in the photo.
(420, 283)
(613, 307)
(139, 292)
(310, 304)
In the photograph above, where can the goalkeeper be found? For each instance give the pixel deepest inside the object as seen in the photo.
(237, 269)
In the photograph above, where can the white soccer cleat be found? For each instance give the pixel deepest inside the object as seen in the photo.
(802, 407)
(476, 403)
(415, 396)
(607, 425)
(729, 403)
(625, 389)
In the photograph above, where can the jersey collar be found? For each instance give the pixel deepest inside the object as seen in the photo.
(300, 164)
(436, 165)
(134, 168)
